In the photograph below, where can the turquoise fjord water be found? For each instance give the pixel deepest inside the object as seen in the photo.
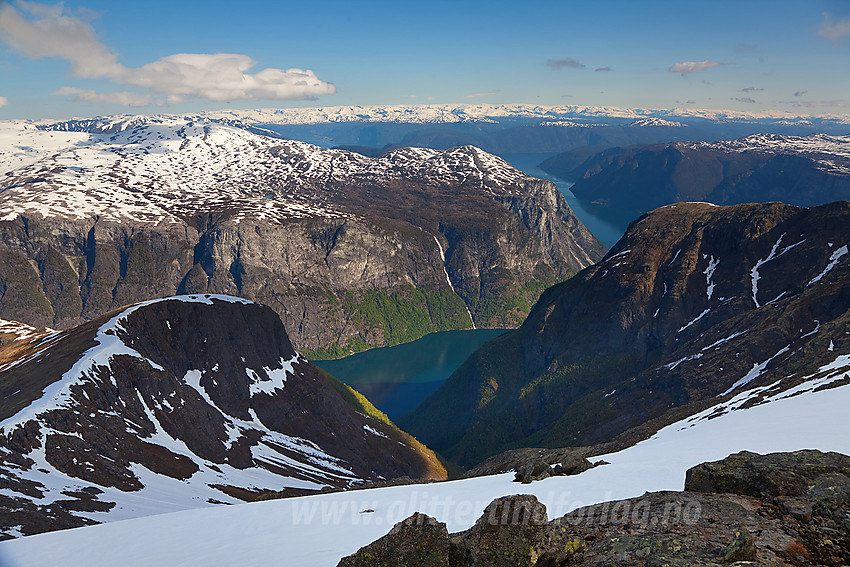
(605, 230)
(397, 379)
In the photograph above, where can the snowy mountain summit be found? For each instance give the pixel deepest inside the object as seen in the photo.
(178, 403)
(163, 169)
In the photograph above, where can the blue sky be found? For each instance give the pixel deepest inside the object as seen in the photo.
(94, 57)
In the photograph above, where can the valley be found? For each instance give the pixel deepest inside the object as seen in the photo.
(694, 302)
(396, 379)
(607, 231)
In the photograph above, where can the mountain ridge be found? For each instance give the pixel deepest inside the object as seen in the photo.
(798, 170)
(694, 302)
(178, 403)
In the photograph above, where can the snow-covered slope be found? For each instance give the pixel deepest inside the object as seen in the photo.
(319, 530)
(657, 122)
(162, 169)
(16, 331)
(172, 404)
(831, 153)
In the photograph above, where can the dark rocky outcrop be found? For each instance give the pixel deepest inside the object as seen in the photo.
(540, 469)
(766, 476)
(418, 541)
(503, 536)
(679, 529)
(694, 304)
(206, 390)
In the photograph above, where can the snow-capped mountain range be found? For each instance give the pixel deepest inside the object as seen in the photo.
(831, 153)
(203, 206)
(799, 170)
(158, 169)
(452, 113)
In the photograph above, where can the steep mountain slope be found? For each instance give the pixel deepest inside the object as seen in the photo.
(802, 171)
(179, 403)
(694, 303)
(350, 251)
(319, 530)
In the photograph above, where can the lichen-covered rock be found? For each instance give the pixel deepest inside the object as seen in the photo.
(503, 536)
(675, 529)
(777, 474)
(741, 548)
(418, 541)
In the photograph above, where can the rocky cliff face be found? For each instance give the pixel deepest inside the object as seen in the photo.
(179, 403)
(695, 304)
(350, 251)
(802, 171)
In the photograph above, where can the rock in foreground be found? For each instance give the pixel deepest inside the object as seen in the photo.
(707, 528)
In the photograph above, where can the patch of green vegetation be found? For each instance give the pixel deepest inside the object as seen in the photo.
(336, 350)
(515, 410)
(355, 399)
(22, 294)
(408, 314)
(502, 310)
(401, 317)
(435, 468)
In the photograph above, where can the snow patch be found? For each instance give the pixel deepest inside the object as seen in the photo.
(833, 260)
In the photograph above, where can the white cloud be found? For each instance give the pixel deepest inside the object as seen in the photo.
(832, 30)
(477, 95)
(222, 76)
(801, 92)
(51, 32)
(3, 101)
(687, 67)
(125, 98)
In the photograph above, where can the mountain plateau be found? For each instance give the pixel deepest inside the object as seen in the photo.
(803, 171)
